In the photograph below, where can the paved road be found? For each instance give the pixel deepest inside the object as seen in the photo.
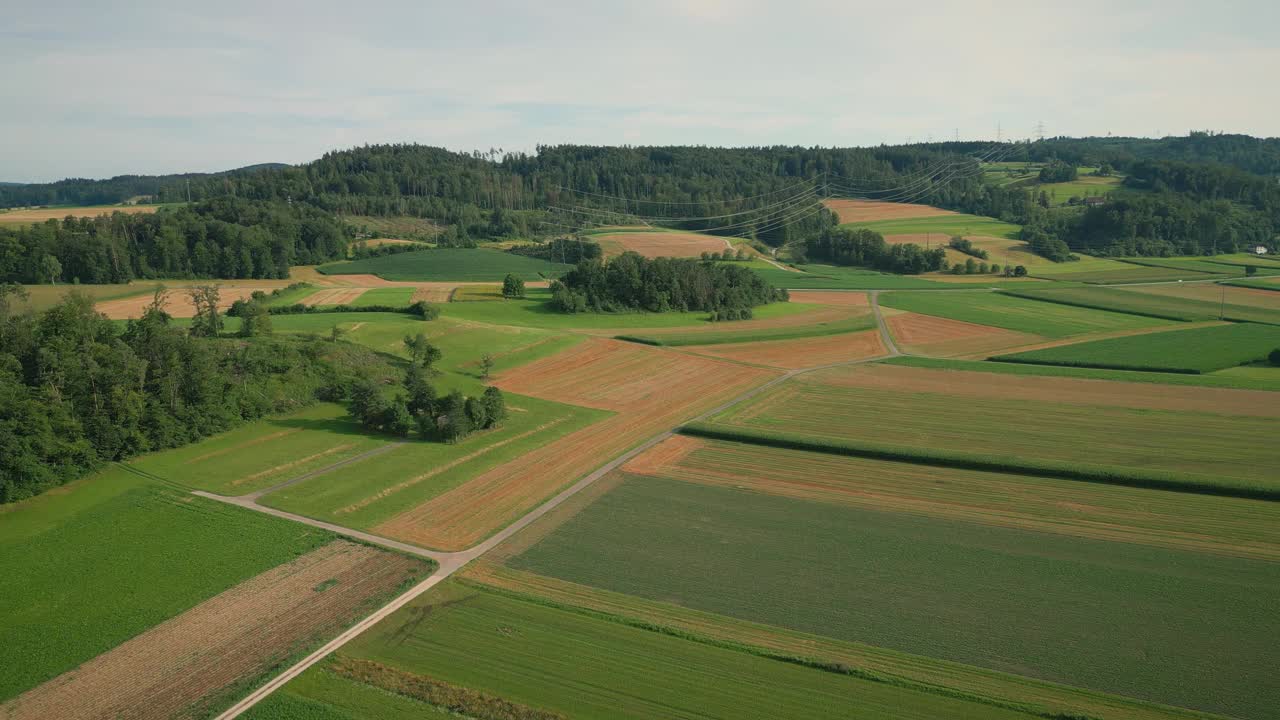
(451, 562)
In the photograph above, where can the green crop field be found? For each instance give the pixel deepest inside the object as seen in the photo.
(996, 597)
(88, 566)
(1003, 310)
(475, 264)
(953, 224)
(367, 492)
(1262, 283)
(1263, 378)
(1194, 264)
(581, 665)
(290, 297)
(831, 277)
(1197, 350)
(318, 694)
(1157, 301)
(1212, 444)
(817, 329)
(264, 453)
(393, 296)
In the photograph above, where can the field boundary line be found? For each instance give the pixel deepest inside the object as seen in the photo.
(451, 562)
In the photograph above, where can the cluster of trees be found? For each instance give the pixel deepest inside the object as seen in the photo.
(631, 282)
(449, 418)
(77, 391)
(568, 250)
(512, 286)
(867, 248)
(727, 256)
(223, 239)
(1056, 171)
(965, 246)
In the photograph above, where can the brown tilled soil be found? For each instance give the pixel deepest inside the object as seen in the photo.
(180, 667)
(801, 352)
(1053, 390)
(871, 210)
(941, 337)
(178, 304)
(661, 244)
(838, 298)
(651, 389)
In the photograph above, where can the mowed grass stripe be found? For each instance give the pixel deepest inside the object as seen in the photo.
(1181, 628)
(1213, 380)
(1002, 310)
(1221, 446)
(565, 661)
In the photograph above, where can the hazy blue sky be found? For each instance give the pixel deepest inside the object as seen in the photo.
(95, 89)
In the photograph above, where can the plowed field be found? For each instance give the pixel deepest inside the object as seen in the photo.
(932, 335)
(801, 353)
(660, 244)
(861, 211)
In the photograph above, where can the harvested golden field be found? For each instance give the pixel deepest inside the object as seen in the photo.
(178, 303)
(931, 335)
(660, 244)
(36, 215)
(799, 353)
(650, 389)
(183, 666)
(1253, 297)
(335, 296)
(837, 298)
(861, 211)
(1056, 390)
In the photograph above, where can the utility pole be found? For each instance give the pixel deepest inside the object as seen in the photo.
(188, 192)
(1040, 130)
(999, 132)
(957, 134)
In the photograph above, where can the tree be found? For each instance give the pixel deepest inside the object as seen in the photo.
(397, 419)
(206, 322)
(495, 406)
(255, 320)
(512, 286)
(486, 366)
(1274, 357)
(50, 269)
(421, 350)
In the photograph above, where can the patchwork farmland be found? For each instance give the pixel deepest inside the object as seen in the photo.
(435, 474)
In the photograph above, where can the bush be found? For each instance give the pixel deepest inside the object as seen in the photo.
(1274, 357)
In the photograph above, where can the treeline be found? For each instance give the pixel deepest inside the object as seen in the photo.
(631, 282)
(867, 248)
(77, 391)
(226, 238)
(112, 191)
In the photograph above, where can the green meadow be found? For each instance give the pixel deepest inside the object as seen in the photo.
(1196, 350)
(1004, 310)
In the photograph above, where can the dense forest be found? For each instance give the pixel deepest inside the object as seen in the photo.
(1201, 192)
(223, 238)
(632, 282)
(77, 391)
(867, 248)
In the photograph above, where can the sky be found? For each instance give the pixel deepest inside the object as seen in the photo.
(98, 89)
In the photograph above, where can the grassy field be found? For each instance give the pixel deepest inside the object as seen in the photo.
(393, 296)
(1194, 264)
(1002, 310)
(93, 564)
(565, 661)
(395, 227)
(1199, 350)
(1002, 598)
(476, 264)
(1244, 303)
(831, 277)
(1267, 283)
(318, 694)
(263, 453)
(817, 329)
(43, 297)
(1100, 271)
(1263, 378)
(1111, 430)
(948, 225)
(1082, 187)
(373, 490)
(1173, 302)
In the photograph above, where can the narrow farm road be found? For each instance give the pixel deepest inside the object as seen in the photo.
(451, 562)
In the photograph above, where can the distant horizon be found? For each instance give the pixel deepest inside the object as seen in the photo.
(533, 150)
(165, 87)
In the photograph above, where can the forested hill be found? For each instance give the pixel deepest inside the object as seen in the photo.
(81, 191)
